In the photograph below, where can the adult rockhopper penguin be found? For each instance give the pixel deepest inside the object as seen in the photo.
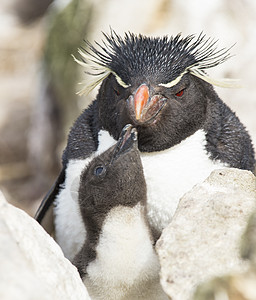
(117, 260)
(185, 131)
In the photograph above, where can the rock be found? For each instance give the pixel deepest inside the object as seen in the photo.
(32, 264)
(202, 241)
(248, 244)
(234, 287)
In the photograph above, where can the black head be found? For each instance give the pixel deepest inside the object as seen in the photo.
(113, 178)
(156, 84)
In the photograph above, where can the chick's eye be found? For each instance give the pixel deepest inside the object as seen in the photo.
(99, 170)
(180, 93)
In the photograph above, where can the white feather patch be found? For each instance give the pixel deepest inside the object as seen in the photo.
(120, 81)
(223, 82)
(173, 82)
(69, 227)
(100, 74)
(171, 173)
(194, 70)
(105, 141)
(126, 264)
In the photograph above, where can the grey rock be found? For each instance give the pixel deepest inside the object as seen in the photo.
(235, 286)
(248, 244)
(203, 239)
(32, 264)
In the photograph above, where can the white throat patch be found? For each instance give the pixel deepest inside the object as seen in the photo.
(105, 141)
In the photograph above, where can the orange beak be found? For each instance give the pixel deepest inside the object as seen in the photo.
(143, 108)
(140, 100)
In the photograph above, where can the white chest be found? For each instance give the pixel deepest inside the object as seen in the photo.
(171, 173)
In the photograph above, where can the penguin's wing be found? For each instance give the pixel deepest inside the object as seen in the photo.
(44, 214)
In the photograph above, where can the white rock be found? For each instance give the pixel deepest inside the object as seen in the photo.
(203, 238)
(32, 264)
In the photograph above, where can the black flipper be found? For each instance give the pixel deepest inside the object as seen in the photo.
(44, 214)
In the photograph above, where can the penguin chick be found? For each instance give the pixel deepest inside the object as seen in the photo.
(117, 260)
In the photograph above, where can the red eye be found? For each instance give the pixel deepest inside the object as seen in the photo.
(180, 93)
(116, 92)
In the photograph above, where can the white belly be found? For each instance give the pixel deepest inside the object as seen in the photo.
(126, 264)
(169, 175)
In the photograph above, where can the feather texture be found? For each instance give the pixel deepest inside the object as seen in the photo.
(164, 60)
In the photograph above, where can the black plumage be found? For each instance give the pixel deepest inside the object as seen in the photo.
(158, 85)
(162, 60)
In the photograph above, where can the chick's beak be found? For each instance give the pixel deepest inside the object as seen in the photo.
(126, 141)
(142, 107)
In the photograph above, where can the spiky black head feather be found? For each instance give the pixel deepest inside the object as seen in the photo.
(163, 60)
